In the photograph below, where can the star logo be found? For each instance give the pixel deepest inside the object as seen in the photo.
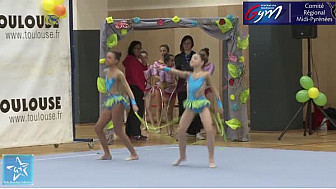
(19, 169)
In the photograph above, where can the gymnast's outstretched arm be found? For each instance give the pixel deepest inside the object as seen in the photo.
(179, 73)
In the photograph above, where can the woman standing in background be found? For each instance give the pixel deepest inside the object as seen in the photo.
(182, 62)
(135, 65)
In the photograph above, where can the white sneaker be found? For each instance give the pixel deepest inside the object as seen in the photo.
(199, 136)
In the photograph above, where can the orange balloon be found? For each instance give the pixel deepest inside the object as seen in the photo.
(60, 10)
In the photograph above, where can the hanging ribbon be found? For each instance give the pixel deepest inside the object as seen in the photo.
(151, 127)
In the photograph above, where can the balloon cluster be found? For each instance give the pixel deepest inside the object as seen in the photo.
(55, 10)
(310, 91)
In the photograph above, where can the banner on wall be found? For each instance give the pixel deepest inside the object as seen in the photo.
(289, 13)
(35, 76)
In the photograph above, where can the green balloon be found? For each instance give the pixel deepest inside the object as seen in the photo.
(321, 100)
(302, 96)
(306, 82)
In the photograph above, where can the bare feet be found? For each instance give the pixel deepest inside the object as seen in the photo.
(132, 157)
(105, 157)
(178, 161)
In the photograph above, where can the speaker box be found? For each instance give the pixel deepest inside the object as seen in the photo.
(304, 31)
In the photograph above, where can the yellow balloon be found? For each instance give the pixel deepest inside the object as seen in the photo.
(48, 5)
(58, 2)
(313, 92)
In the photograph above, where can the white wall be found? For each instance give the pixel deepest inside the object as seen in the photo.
(89, 14)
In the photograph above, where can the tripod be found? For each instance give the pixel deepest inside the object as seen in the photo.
(309, 103)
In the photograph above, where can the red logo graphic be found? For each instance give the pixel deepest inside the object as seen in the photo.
(250, 14)
(254, 13)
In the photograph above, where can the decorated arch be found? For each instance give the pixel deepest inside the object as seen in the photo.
(225, 29)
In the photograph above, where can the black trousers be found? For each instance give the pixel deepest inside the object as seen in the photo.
(133, 123)
(196, 125)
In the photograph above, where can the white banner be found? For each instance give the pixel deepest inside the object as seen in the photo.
(35, 76)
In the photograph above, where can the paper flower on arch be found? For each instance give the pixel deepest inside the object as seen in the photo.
(176, 19)
(244, 96)
(194, 23)
(225, 25)
(234, 107)
(109, 20)
(243, 43)
(123, 32)
(112, 40)
(160, 22)
(136, 20)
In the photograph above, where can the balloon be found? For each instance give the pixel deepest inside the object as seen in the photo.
(59, 2)
(60, 10)
(302, 96)
(306, 82)
(48, 5)
(313, 92)
(64, 15)
(321, 100)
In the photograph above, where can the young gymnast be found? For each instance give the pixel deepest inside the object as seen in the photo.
(114, 106)
(149, 93)
(153, 73)
(168, 83)
(158, 93)
(196, 103)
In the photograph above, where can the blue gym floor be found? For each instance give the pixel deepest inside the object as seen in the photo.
(236, 167)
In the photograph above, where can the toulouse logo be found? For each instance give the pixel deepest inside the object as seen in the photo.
(259, 12)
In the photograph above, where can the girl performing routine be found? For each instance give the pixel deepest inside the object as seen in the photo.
(196, 103)
(168, 83)
(114, 106)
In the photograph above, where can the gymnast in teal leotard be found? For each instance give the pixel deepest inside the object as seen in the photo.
(196, 103)
(113, 99)
(114, 105)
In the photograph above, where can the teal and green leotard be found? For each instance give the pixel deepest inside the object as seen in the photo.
(196, 104)
(113, 99)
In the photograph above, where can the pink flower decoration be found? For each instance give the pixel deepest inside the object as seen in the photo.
(231, 82)
(160, 22)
